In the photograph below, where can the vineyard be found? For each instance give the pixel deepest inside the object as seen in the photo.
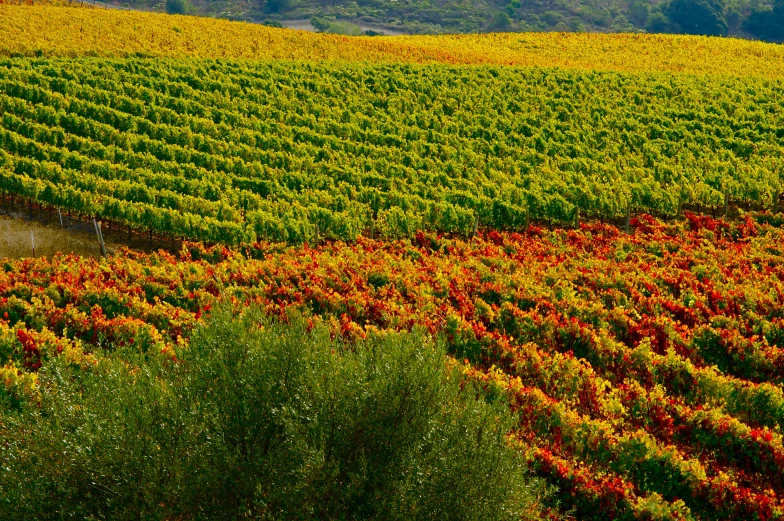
(592, 224)
(234, 151)
(69, 32)
(646, 368)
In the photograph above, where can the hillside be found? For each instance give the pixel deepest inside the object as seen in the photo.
(751, 19)
(645, 368)
(59, 31)
(236, 151)
(590, 225)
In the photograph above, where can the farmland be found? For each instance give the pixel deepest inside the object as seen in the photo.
(234, 152)
(646, 368)
(73, 32)
(590, 224)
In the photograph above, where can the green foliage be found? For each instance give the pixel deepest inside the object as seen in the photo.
(273, 23)
(767, 23)
(264, 420)
(552, 17)
(704, 17)
(639, 10)
(501, 21)
(178, 6)
(276, 6)
(233, 152)
(320, 24)
(734, 17)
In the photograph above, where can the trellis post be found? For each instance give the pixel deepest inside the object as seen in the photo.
(628, 216)
(726, 204)
(100, 237)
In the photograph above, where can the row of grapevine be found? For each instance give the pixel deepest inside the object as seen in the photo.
(596, 338)
(282, 148)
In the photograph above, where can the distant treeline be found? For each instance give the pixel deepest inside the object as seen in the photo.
(761, 19)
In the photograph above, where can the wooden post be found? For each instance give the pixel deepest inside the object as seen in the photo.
(60, 213)
(100, 237)
(577, 218)
(476, 226)
(628, 216)
(776, 198)
(32, 240)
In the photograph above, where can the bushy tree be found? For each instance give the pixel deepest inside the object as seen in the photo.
(704, 17)
(500, 21)
(264, 420)
(177, 6)
(638, 12)
(768, 23)
(658, 23)
(276, 6)
(320, 24)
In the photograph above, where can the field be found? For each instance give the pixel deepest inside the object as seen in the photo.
(235, 152)
(646, 368)
(58, 31)
(591, 223)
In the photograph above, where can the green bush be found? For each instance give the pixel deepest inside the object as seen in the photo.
(264, 420)
(705, 17)
(320, 24)
(767, 23)
(177, 6)
(500, 21)
(276, 6)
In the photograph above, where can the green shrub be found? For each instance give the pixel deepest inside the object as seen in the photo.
(767, 23)
(320, 24)
(264, 420)
(704, 17)
(177, 6)
(500, 21)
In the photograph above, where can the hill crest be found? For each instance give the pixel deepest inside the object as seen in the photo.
(68, 32)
